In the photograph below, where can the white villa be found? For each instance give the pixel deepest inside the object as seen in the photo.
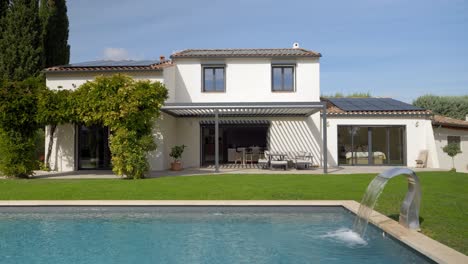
(269, 99)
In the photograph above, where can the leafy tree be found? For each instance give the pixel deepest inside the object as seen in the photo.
(451, 106)
(452, 149)
(21, 42)
(129, 110)
(3, 7)
(18, 107)
(54, 108)
(3, 10)
(53, 14)
(351, 95)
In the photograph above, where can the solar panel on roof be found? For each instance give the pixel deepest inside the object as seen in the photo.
(109, 63)
(372, 104)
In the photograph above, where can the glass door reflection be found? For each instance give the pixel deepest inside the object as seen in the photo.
(93, 147)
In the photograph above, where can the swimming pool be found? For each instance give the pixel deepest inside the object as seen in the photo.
(197, 234)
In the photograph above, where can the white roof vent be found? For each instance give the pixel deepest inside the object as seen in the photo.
(295, 45)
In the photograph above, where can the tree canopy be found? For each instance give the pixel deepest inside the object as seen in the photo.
(451, 106)
(53, 14)
(3, 7)
(21, 41)
(55, 107)
(351, 95)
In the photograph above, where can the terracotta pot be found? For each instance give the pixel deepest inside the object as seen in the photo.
(176, 166)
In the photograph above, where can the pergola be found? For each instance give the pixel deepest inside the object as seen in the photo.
(251, 109)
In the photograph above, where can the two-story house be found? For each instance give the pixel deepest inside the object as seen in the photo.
(225, 100)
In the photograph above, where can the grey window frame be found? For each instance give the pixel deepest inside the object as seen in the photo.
(282, 66)
(369, 140)
(454, 139)
(214, 67)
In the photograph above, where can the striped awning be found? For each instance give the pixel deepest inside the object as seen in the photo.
(242, 109)
(237, 122)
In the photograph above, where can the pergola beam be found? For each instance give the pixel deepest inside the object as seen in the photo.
(250, 109)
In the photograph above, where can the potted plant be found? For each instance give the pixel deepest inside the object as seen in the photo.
(176, 154)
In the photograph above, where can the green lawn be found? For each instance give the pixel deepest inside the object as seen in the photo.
(444, 207)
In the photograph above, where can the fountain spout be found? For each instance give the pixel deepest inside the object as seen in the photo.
(409, 211)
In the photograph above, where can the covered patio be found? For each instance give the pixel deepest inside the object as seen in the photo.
(222, 113)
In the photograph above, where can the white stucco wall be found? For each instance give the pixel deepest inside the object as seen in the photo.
(164, 133)
(285, 134)
(63, 150)
(461, 160)
(419, 136)
(247, 80)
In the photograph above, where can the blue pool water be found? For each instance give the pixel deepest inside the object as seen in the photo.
(192, 235)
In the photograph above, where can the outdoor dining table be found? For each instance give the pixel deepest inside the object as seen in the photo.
(243, 150)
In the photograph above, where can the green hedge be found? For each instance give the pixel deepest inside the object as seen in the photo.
(18, 126)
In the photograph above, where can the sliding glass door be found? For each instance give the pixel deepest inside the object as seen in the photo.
(371, 145)
(93, 148)
(396, 143)
(379, 145)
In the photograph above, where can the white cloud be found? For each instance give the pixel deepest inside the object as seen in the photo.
(116, 54)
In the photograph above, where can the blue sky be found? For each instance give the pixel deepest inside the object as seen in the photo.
(400, 49)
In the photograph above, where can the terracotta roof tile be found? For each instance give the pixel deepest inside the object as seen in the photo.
(286, 52)
(111, 66)
(445, 121)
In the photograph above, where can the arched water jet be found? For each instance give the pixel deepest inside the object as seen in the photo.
(409, 211)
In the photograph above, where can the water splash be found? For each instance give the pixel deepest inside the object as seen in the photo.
(409, 212)
(368, 202)
(347, 237)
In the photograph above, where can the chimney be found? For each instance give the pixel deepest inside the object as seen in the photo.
(162, 58)
(295, 45)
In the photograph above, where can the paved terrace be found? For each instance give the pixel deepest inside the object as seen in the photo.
(224, 169)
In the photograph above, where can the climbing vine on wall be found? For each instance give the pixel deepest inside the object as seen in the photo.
(128, 108)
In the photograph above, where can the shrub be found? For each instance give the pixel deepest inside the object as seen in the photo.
(176, 152)
(17, 154)
(128, 150)
(18, 126)
(452, 149)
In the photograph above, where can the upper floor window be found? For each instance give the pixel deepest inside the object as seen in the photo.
(282, 78)
(454, 139)
(213, 79)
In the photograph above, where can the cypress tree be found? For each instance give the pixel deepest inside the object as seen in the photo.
(54, 19)
(3, 7)
(21, 42)
(3, 10)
